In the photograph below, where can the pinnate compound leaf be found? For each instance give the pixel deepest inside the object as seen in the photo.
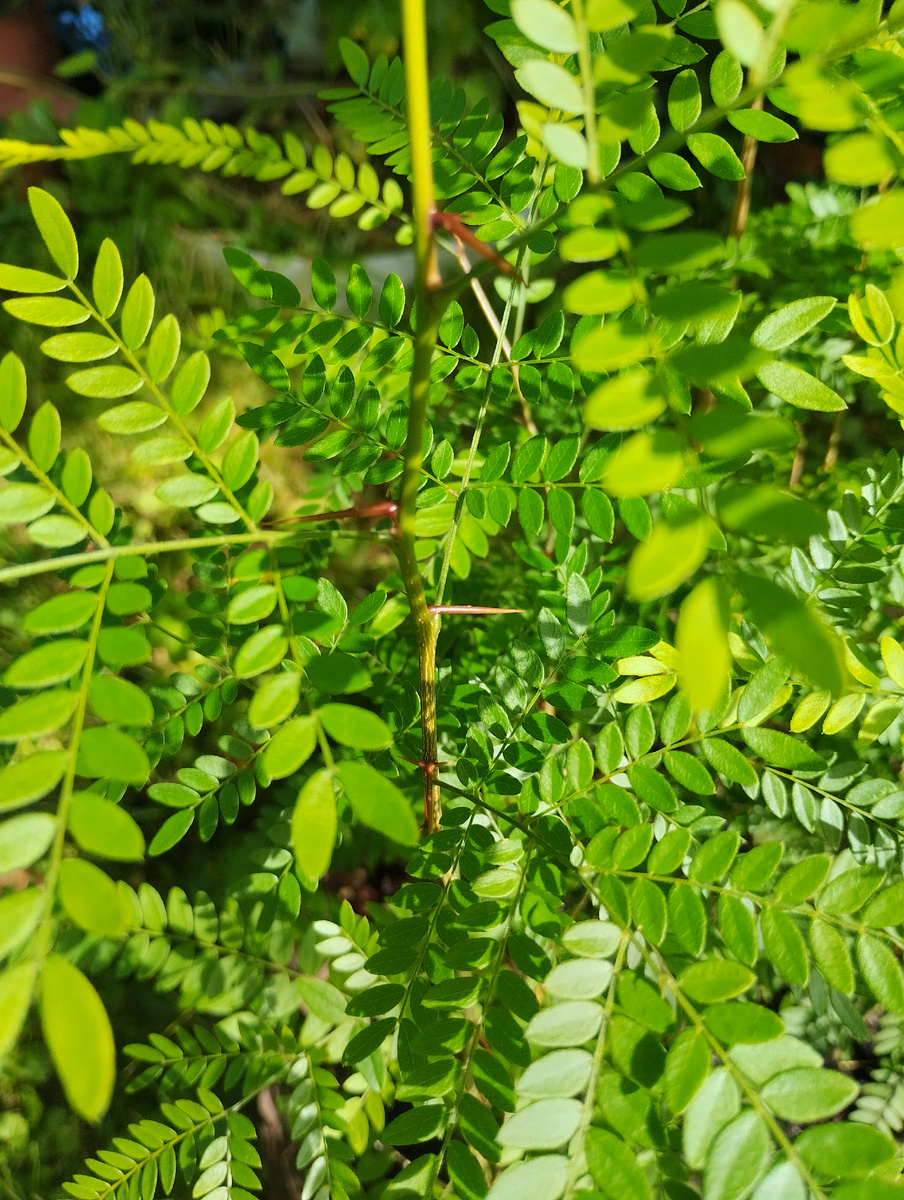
(78, 1034)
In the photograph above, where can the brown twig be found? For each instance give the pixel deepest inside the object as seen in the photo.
(741, 210)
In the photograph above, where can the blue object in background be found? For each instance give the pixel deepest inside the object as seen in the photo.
(81, 28)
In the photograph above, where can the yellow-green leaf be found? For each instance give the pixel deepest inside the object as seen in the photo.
(78, 1035)
(314, 825)
(702, 641)
(671, 554)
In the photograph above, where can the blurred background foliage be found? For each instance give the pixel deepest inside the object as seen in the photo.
(262, 63)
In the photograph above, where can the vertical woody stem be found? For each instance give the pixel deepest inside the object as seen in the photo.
(427, 283)
(741, 208)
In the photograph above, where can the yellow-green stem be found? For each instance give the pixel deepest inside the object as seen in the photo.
(426, 625)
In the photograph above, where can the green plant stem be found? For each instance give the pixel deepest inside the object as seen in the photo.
(270, 537)
(43, 937)
(589, 93)
(212, 470)
(429, 310)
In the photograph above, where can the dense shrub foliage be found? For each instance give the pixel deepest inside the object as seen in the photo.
(588, 549)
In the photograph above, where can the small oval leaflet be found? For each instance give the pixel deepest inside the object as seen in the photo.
(24, 839)
(51, 663)
(544, 1125)
(798, 387)
(105, 383)
(354, 726)
(571, 1023)
(78, 1034)
(785, 326)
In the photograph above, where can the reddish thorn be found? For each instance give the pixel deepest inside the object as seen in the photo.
(452, 223)
(430, 768)
(386, 508)
(469, 609)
